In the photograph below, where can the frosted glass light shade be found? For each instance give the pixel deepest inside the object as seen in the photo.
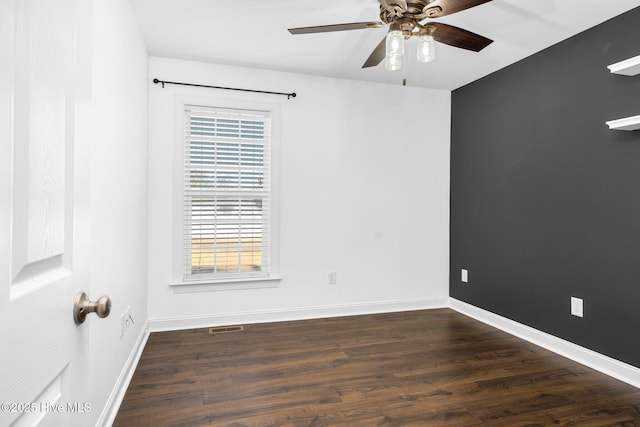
(395, 43)
(393, 62)
(426, 49)
(394, 51)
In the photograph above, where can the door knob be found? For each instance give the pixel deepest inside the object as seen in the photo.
(83, 306)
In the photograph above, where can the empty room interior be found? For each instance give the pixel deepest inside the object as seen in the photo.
(347, 212)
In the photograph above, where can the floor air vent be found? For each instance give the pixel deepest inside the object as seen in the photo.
(225, 330)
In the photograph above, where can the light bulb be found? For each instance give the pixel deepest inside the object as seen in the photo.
(426, 49)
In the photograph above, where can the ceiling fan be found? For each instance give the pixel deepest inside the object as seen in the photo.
(404, 19)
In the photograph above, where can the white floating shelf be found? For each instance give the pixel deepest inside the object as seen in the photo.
(628, 67)
(628, 123)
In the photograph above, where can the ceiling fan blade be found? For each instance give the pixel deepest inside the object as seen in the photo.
(336, 27)
(454, 36)
(452, 6)
(377, 55)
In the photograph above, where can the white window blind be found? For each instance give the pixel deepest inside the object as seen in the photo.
(226, 193)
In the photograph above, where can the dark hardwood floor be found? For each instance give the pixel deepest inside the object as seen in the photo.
(421, 368)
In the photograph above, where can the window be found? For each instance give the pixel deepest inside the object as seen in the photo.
(227, 193)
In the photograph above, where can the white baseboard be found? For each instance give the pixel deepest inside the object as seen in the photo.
(192, 322)
(108, 415)
(607, 365)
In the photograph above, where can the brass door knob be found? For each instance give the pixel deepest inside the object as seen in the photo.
(83, 306)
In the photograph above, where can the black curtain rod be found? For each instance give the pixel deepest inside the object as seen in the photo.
(288, 95)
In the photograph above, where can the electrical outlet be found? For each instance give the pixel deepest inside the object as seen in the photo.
(464, 276)
(332, 278)
(126, 321)
(577, 307)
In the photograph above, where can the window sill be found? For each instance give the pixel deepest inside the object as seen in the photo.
(225, 284)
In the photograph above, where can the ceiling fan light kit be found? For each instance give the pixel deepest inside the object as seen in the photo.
(426, 48)
(405, 20)
(394, 49)
(404, 29)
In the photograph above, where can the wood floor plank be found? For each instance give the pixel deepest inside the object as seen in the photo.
(422, 368)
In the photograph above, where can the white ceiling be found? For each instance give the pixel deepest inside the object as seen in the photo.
(253, 33)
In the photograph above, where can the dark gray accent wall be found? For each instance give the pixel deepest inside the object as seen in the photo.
(545, 199)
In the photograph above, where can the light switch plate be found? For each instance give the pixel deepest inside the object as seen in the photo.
(332, 278)
(577, 307)
(464, 276)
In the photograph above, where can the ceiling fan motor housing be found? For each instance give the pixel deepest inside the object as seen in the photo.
(392, 10)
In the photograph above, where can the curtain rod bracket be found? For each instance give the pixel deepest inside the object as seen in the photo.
(288, 95)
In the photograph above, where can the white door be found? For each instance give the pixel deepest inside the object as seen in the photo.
(45, 64)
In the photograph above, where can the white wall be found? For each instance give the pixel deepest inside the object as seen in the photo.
(118, 191)
(364, 191)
